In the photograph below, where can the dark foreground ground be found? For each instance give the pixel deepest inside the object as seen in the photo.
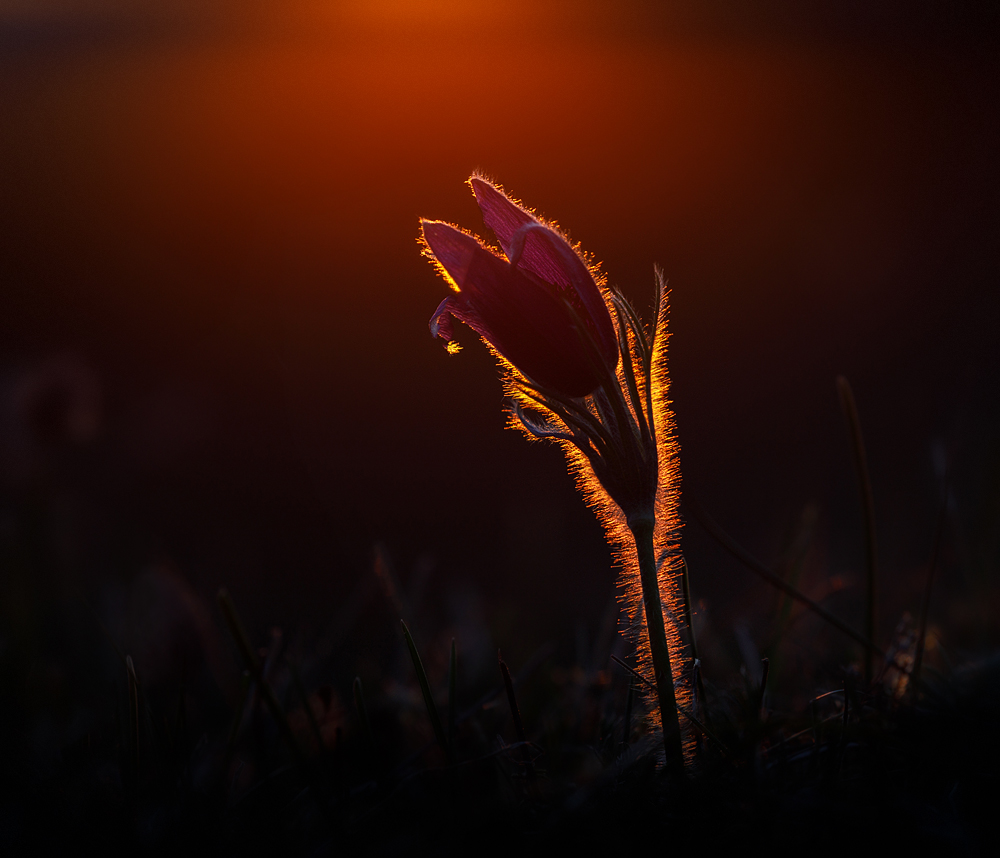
(192, 757)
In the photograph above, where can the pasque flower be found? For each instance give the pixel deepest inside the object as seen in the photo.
(581, 369)
(540, 307)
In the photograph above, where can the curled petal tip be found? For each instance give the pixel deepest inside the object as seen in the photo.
(441, 326)
(440, 323)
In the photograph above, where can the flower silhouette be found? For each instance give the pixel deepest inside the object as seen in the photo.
(582, 369)
(540, 307)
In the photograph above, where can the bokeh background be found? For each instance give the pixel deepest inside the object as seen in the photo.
(215, 367)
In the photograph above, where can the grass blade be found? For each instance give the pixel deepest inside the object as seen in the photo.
(511, 699)
(764, 670)
(425, 689)
(700, 708)
(133, 729)
(868, 509)
(253, 665)
(452, 692)
(515, 714)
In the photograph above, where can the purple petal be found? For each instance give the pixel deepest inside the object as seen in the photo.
(514, 311)
(545, 253)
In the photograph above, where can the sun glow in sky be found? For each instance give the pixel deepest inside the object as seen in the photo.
(229, 195)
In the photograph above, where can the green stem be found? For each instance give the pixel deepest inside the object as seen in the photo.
(642, 533)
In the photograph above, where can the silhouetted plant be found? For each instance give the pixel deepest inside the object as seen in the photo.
(582, 369)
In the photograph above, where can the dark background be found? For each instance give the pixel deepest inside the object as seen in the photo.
(214, 356)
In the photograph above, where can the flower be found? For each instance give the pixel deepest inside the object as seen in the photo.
(584, 371)
(540, 307)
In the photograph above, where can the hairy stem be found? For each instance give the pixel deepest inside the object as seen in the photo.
(642, 533)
